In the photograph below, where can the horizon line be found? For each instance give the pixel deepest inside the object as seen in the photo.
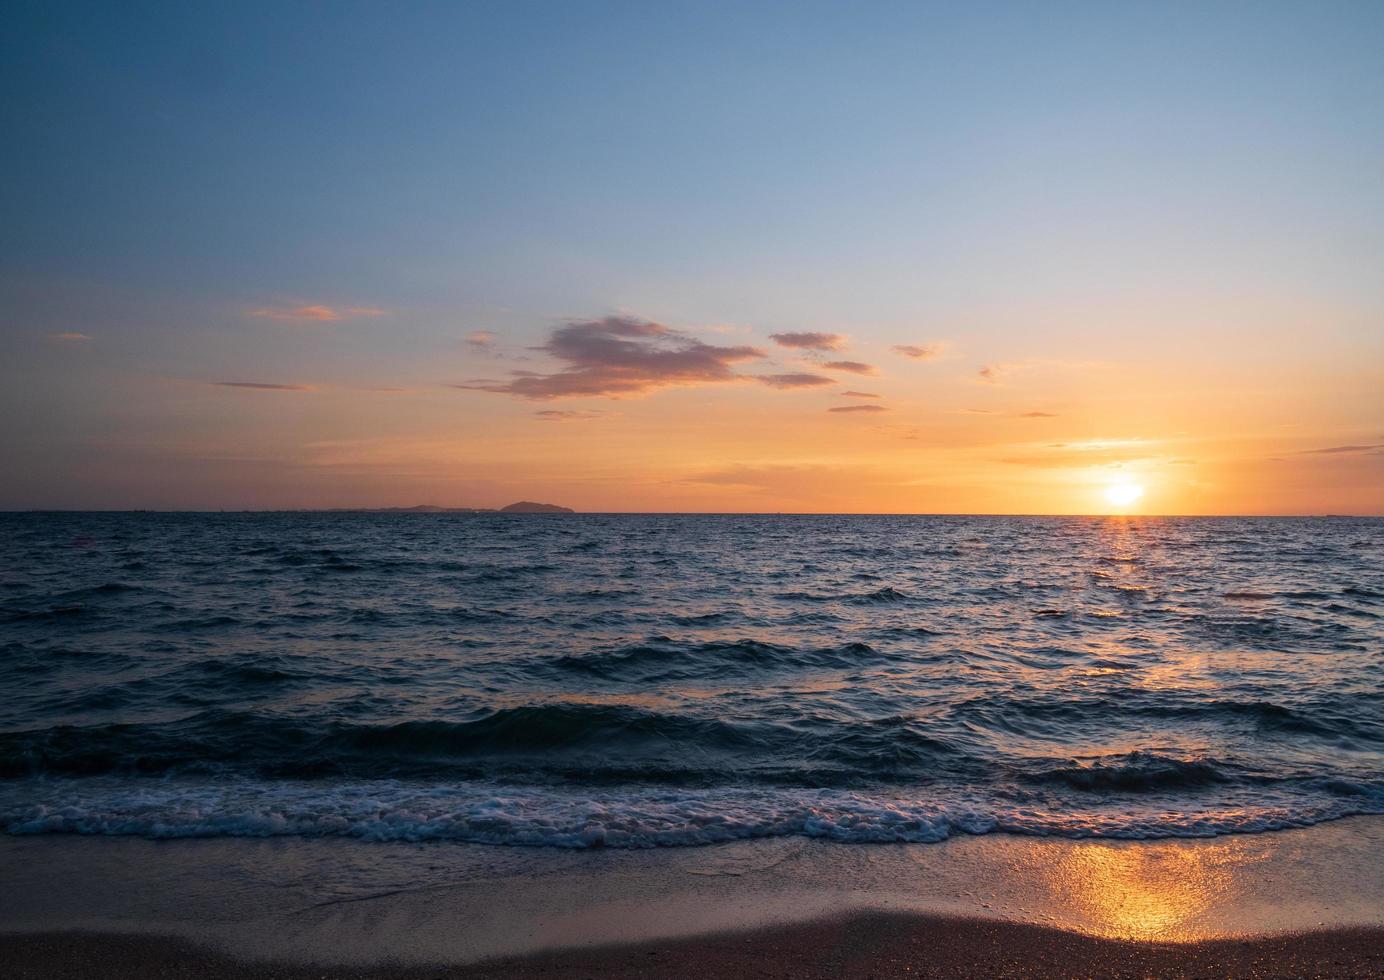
(653, 513)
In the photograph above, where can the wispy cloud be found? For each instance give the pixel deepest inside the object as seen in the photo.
(559, 415)
(314, 312)
(808, 340)
(1371, 448)
(69, 338)
(261, 386)
(621, 355)
(858, 394)
(918, 352)
(1093, 452)
(794, 380)
(482, 341)
(858, 408)
(852, 367)
(1038, 415)
(992, 373)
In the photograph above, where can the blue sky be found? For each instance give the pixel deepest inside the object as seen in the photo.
(1013, 178)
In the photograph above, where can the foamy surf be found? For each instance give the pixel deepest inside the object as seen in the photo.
(508, 815)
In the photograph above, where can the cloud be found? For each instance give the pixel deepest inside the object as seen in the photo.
(977, 411)
(1038, 415)
(1094, 452)
(69, 338)
(1377, 447)
(621, 355)
(858, 408)
(261, 386)
(852, 367)
(998, 374)
(314, 313)
(919, 352)
(807, 340)
(858, 394)
(794, 380)
(482, 341)
(558, 415)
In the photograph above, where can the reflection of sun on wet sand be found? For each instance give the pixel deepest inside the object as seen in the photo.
(1152, 891)
(990, 905)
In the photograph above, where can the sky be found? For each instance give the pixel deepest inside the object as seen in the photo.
(880, 257)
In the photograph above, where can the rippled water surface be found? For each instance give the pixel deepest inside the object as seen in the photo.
(637, 680)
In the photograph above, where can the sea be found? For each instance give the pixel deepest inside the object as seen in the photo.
(634, 681)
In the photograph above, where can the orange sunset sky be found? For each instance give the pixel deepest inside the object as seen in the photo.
(817, 263)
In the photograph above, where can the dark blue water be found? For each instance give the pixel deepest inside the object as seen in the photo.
(638, 680)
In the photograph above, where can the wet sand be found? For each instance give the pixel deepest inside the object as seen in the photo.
(1304, 902)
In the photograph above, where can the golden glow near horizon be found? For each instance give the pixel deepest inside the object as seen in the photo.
(1124, 494)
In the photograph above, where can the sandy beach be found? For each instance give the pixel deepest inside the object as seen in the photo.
(1305, 902)
(863, 945)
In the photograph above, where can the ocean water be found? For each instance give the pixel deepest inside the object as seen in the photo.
(634, 681)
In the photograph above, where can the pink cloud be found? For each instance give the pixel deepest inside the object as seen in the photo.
(794, 380)
(858, 408)
(482, 341)
(918, 352)
(558, 415)
(808, 340)
(261, 386)
(620, 355)
(315, 313)
(853, 367)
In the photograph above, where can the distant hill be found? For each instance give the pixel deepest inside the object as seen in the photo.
(529, 507)
(522, 507)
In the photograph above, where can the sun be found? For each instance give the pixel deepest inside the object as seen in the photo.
(1123, 494)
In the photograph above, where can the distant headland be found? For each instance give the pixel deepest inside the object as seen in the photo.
(522, 507)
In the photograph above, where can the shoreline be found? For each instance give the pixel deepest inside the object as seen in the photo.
(866, 944)
(278, 904)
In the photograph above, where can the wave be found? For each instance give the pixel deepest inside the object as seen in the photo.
(571, 741)
(660, 658)
(1136, 772)
(506, 815)
(546, 736)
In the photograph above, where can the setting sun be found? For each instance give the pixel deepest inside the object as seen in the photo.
(1123, 494)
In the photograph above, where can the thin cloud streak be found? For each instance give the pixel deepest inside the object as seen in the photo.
(858, 408)
(809, 340)
(794, 380)
(1377, 447)
(261, 386)
(314, 313)
(851, 367)
(859, 394)
(558, 415)
(918, 352)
